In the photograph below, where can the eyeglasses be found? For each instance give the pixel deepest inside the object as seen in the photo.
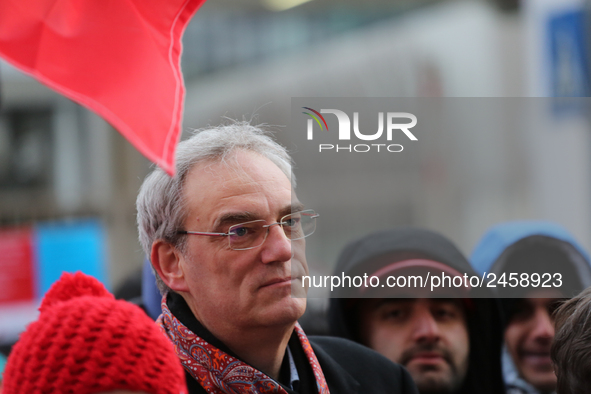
(252, 234)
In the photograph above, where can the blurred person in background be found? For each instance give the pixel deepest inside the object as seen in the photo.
(571, 349)
(533, 265)
(86, 342)
(226, 238)
(131, 288)
(448, 341)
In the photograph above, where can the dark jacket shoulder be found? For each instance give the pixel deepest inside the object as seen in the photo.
(352, 368)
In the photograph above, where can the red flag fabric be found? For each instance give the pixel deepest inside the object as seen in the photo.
(119, 58)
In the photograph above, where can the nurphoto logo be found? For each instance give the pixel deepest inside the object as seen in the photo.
(395, 122)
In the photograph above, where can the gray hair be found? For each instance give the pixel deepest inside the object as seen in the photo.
(160, 203)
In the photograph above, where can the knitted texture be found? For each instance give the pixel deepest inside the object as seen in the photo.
(87, 342)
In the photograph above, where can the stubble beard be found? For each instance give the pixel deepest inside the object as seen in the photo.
(431, 379)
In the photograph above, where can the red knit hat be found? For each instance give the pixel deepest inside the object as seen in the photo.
(87, 342)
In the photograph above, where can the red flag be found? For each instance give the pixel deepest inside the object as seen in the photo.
(119, 58)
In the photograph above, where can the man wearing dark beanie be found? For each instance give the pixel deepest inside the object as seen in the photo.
(533, 265)
(86, 342)
(448, 337)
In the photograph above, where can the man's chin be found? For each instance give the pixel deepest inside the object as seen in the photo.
(434, 381)
(284, 311)
(545, 383)
(538, 371)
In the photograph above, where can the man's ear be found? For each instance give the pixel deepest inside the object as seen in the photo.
(166, 260)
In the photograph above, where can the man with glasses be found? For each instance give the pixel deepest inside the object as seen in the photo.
(226, 238)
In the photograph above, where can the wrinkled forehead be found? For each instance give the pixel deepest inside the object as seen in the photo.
(242, 180)
(240, 165)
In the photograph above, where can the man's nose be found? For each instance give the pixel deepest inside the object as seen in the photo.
(543, 326)
(425, 327)
(277, 246)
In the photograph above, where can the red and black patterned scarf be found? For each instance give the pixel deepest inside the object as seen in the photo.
(220, 373)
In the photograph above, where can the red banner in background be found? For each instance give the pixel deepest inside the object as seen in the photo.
(119, 58)
(17, 279)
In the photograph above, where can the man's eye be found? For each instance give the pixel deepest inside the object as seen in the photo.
(240, 231)
(444, 313)
(291, 222)
(394, 314)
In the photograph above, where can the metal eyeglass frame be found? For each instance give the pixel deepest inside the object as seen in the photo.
(281, 221)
